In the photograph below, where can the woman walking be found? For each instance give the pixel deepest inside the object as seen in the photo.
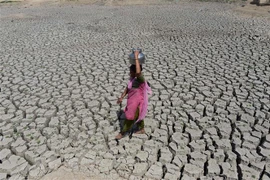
(137, 100)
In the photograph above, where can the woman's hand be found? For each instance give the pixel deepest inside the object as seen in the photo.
(119, 101)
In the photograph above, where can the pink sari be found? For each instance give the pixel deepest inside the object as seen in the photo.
(137, 98)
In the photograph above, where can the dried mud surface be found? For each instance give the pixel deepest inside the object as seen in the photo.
(62, 67)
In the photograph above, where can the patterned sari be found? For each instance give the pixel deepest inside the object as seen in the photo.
(137, 102)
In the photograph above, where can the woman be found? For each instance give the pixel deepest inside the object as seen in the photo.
(137, 100)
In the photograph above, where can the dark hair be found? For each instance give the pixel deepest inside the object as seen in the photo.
(133, 67)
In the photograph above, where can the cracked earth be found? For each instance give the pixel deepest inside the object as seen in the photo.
(63, 67)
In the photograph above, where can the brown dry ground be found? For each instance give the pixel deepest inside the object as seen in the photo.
(251, 10)
(245, 9)
(242, 8)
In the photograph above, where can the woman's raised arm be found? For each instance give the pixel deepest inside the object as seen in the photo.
(138, 69)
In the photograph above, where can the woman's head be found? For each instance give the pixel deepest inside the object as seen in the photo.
(132, 69)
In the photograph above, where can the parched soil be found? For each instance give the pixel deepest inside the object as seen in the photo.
(64, 64)
(251, 10)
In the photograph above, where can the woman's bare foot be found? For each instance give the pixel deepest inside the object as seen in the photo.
(119, 136)
(142, 131)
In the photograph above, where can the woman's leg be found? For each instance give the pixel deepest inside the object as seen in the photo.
(128, 123)
(141, 127)
(127, 126)
(141, 124)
